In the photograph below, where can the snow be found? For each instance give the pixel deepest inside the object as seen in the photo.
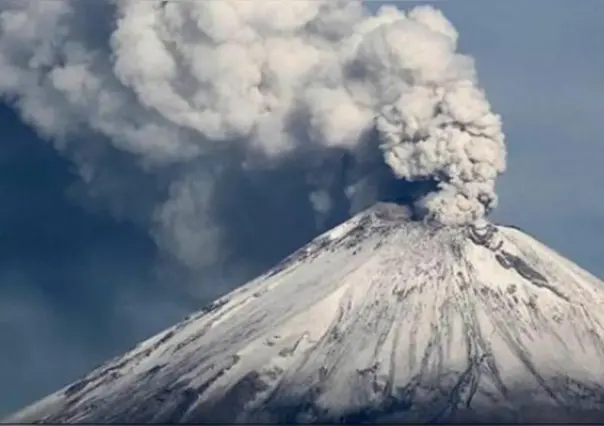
(380, 309)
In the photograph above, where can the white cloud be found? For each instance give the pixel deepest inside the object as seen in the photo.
(193, 90)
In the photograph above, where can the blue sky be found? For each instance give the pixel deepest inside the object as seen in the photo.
(68, 306)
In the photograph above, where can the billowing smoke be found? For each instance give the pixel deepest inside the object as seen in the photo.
(216, 123)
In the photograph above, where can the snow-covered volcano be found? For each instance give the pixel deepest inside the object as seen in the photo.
(379, 319)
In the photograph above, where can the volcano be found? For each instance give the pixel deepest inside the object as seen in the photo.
(381, 319)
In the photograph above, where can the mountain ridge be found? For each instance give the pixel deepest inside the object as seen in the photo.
(379, 319)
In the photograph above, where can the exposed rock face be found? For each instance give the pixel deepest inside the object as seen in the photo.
(380, 319)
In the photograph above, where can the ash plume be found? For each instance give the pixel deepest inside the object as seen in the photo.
(217, 123)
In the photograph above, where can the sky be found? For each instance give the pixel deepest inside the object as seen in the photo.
(79, 284)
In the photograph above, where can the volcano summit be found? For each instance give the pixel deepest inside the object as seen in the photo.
(380, 319)
(417, 313)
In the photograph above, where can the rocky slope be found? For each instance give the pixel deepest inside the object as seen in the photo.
(380, 319)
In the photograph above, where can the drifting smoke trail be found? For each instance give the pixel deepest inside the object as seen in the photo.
(260, 100)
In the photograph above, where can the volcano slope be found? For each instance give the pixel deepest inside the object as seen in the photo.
(381, 319)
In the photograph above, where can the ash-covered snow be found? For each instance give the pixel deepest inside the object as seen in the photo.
(380, 319)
